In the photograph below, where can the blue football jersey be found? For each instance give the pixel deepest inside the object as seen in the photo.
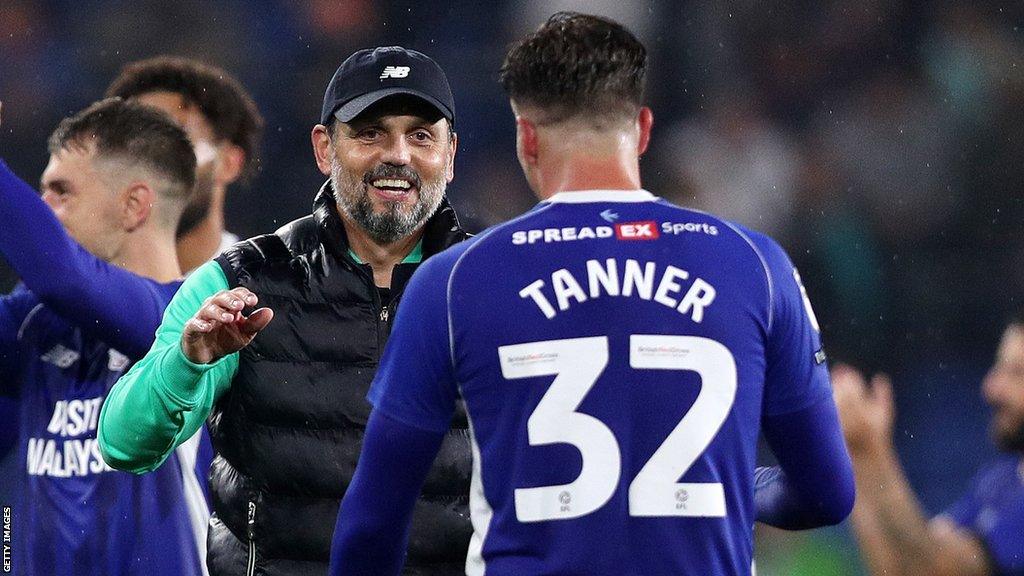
(615, 354)
(993, 509)
(75, 514)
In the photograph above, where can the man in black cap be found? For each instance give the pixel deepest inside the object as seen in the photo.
(286, 398)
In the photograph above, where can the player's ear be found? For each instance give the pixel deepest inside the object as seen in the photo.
(527, 145)
(644, 123)
(449, 169)
(321, 139)
(230, 161)
(136, 205)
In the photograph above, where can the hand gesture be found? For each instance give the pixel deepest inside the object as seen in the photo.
(219, 328)
(866, 411)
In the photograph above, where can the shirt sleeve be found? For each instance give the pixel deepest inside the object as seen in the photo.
(164, 398)
(964, 511)
(1000, 528)
(14, 310)
(796, 375)
(85, 290)
(372, 529)
(415, 383)
(813, 484)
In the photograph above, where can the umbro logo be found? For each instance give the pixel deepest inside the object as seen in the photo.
(394, 72)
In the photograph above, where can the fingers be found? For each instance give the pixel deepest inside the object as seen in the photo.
(881, 389)
(256, 321)
(222, 308)
(226, 305)
(848, 384)
(846, 375)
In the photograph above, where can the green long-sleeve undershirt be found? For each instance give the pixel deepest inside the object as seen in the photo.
(164, 399)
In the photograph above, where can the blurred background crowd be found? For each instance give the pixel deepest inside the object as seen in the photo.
(881, 141)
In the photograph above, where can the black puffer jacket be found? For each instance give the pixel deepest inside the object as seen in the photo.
(289, 430)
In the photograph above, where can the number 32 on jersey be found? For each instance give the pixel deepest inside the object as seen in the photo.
(577, 363)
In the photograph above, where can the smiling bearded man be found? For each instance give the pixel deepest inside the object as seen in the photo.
(286, 398)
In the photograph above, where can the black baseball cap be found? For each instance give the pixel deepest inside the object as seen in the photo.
(373, 74)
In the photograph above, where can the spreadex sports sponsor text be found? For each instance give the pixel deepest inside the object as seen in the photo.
(646, 230)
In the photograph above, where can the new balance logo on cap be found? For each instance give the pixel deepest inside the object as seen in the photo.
(394, 72)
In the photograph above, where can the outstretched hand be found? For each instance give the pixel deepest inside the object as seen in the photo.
(867, 412)
(219, 328)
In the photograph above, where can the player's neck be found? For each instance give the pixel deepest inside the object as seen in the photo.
(150, 254)
(571, 172)
(201, 243)
(382, 258)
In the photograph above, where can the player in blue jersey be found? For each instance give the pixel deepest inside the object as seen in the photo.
(96, 255)
(617, 355)
(982, 534)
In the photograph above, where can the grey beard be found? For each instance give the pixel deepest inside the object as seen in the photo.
(393, 223)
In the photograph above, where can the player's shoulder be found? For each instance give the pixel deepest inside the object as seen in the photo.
(1000, 474)
(482, 244)
(763, 246)
(19, 304)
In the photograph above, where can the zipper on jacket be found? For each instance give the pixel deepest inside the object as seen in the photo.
(384, 314)
(250, 567)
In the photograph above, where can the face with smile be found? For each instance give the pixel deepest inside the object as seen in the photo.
(1004, 391)
(389, 167)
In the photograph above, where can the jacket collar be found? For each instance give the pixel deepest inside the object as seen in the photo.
(440, 231)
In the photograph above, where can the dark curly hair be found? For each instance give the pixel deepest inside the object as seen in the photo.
(577, 64)
(220, 98)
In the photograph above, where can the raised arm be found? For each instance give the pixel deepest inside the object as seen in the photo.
(895, 536)
(87, 291)
(167, 395)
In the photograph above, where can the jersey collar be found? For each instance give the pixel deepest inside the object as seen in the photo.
(586, 196)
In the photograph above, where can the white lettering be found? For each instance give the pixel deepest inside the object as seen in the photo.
(35, 453)
(643, 281)
(699, 296)
(533, 291)
(634, 279)
(59, 418)
(566, 287)
(78, 457)
(668, 285)
(599, 277)
(46, 459)
(75, 409)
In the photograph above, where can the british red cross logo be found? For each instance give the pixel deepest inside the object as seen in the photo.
(637, 230)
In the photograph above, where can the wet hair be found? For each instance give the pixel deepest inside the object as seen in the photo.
(220, 98)
(136, 135)
(575, 65)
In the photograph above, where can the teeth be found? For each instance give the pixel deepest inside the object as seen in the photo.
(391, 184)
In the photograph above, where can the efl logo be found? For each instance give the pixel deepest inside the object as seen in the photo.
(637, 230)
(394, 72)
